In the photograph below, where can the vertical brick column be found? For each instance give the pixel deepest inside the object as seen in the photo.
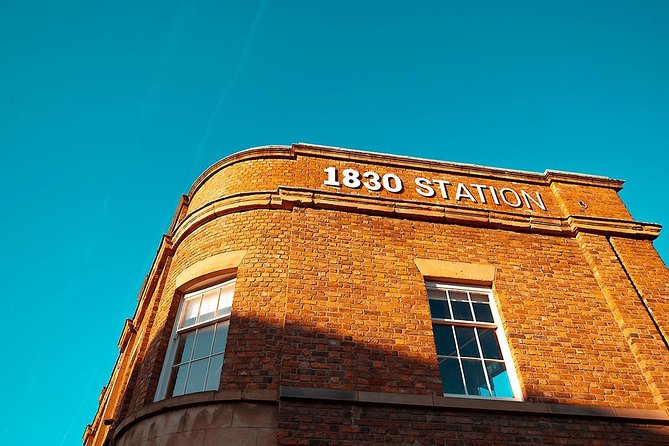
(644, 340)
(649, 275)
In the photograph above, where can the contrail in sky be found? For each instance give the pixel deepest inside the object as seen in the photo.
(241, 64)
(86, 392)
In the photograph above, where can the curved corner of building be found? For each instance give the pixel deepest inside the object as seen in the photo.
(303, 289)
(253, 153)
(203, 419)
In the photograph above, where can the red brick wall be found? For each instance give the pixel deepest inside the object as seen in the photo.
(308, 424)
(356, 295)
(645, 342)
(600, 201)
(649, 275)
(252, 351)
(332, 299)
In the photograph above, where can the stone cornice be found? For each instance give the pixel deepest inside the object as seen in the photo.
(182, 207)
(286, 198)
(555, 176)
(609, 226)
(128, 332)
(165, 250)
(453, 168)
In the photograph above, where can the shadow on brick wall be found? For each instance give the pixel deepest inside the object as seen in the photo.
(267, 356)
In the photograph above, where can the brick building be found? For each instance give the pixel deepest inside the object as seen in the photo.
(310, 295)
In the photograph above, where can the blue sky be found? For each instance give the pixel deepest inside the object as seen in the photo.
(110, 110)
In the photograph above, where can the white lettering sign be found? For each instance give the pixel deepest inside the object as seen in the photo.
(428, 188)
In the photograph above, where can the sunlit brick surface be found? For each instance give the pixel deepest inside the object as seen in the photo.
(328, 297)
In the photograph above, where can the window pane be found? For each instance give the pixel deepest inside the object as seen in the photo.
(225, 302)
(208, 306)
(221, 337)
(499, 379)
(214, 376)
(191, 310)
(439, 309)
(451, 378)
(443, 338)
(489, 344)
(461, 311)
(467, 342)
(205, 337)
(458, 295)
(180, 380)
(476, 297)
(186, 346)
(474, 377)
(436, 294)
(482, 312)
(198, 371)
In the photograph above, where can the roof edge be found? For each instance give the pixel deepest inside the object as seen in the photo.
(302, 148)
(242, 155)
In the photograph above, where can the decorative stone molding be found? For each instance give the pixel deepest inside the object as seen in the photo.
(358, 156)
(459, 272)
(240, 417)
(209, 267)
(128, 332)
(287, 198)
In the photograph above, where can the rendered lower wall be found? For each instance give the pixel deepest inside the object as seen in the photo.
(204, 424)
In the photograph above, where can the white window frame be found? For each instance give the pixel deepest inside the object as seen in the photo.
(499, 333)
(167, 371)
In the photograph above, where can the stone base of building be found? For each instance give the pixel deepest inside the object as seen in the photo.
(319, 417)
(213, 423)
